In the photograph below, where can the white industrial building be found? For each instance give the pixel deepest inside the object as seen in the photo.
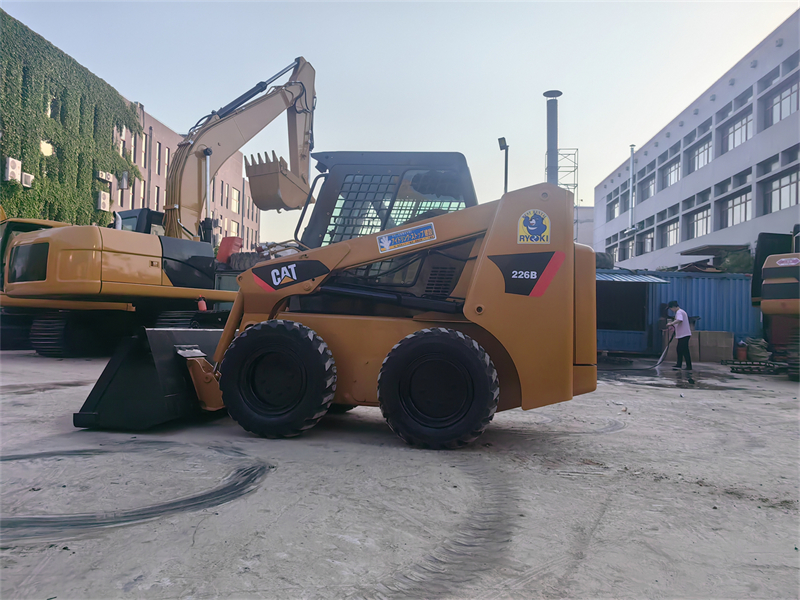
(724, 170)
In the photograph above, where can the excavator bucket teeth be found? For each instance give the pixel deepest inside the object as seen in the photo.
(273, 185)
(147, 382)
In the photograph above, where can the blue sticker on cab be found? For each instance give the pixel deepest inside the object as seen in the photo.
(406, 238)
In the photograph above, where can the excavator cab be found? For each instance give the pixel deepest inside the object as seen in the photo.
(142, 220)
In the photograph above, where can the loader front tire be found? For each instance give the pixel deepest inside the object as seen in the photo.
(277, 379)
(438, 389)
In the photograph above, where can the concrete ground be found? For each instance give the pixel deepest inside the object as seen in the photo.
(654, 486)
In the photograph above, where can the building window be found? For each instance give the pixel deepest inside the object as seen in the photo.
(134, 148)
(700, 156)
(737, 133)
(158, 196)
(781, 193)
(235, 201)
(782, 105)
(144, 150)
(626, 250)
(670, 174)
(648, 189)
(120, 198)
(158, 158)
(738, 209)
(646, 243)
(669, 234)
(700, 223)
(614, 252)
(612, 210)
(141, 193)
(235, 228)
(227, 196)
(166, 160)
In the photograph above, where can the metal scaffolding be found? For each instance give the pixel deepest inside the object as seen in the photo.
(568, 174)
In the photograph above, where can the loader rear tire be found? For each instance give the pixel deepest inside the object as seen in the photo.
(277, 379)
(438, 389)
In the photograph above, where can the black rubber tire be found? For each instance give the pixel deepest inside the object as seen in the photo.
(340, 409)
(241, 261)
(277, 379)
(438, 389)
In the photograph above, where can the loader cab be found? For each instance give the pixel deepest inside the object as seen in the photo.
(142, 220)
(368, 192)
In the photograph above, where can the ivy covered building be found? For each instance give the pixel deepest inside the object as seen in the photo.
(70, 130)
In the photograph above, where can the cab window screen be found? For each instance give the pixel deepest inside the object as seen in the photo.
(361, 206)
(425, 194)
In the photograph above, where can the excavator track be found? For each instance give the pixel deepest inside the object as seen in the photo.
(49, 336)
(67, 335)
(175, 319)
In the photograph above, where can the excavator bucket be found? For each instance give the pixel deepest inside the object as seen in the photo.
(273, 185)
(149, 381)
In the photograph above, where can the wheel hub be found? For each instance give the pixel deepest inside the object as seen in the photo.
(276, 382)
(436, 391)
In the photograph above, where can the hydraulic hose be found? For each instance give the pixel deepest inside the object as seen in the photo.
(660, 359)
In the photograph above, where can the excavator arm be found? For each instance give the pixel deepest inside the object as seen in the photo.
(219, 135)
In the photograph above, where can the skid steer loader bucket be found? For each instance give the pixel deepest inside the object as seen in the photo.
(273, 185)
(147, 381)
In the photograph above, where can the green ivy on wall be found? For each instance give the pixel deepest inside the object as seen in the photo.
(45, 95)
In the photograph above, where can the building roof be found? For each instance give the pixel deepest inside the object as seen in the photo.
(715, 249)
(624, 276)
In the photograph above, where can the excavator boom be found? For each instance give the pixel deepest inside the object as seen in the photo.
(219, 135)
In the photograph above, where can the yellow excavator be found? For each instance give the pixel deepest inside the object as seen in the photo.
(776, 290)
(159, 278)
(18, 315)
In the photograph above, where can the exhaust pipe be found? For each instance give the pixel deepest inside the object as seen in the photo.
(552, 135)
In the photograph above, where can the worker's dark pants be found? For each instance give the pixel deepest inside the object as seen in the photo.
(683, 352)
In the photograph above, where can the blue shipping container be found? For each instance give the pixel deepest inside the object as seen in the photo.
(721, 300)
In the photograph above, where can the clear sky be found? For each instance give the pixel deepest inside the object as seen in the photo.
(446, 76)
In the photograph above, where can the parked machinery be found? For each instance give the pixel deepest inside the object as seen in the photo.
(776, 289)
(160, 277)
(406, 294)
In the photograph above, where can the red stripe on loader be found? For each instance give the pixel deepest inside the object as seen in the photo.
(263, 284)
(547, 276)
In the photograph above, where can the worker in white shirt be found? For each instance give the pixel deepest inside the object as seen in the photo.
(682, 332)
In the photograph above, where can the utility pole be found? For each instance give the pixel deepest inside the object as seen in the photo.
(504, 148)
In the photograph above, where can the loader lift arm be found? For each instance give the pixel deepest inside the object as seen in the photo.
(217, 136)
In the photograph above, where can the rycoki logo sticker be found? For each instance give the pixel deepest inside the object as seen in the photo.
(533, 227)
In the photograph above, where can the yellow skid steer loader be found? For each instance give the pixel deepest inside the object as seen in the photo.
(406, 294)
